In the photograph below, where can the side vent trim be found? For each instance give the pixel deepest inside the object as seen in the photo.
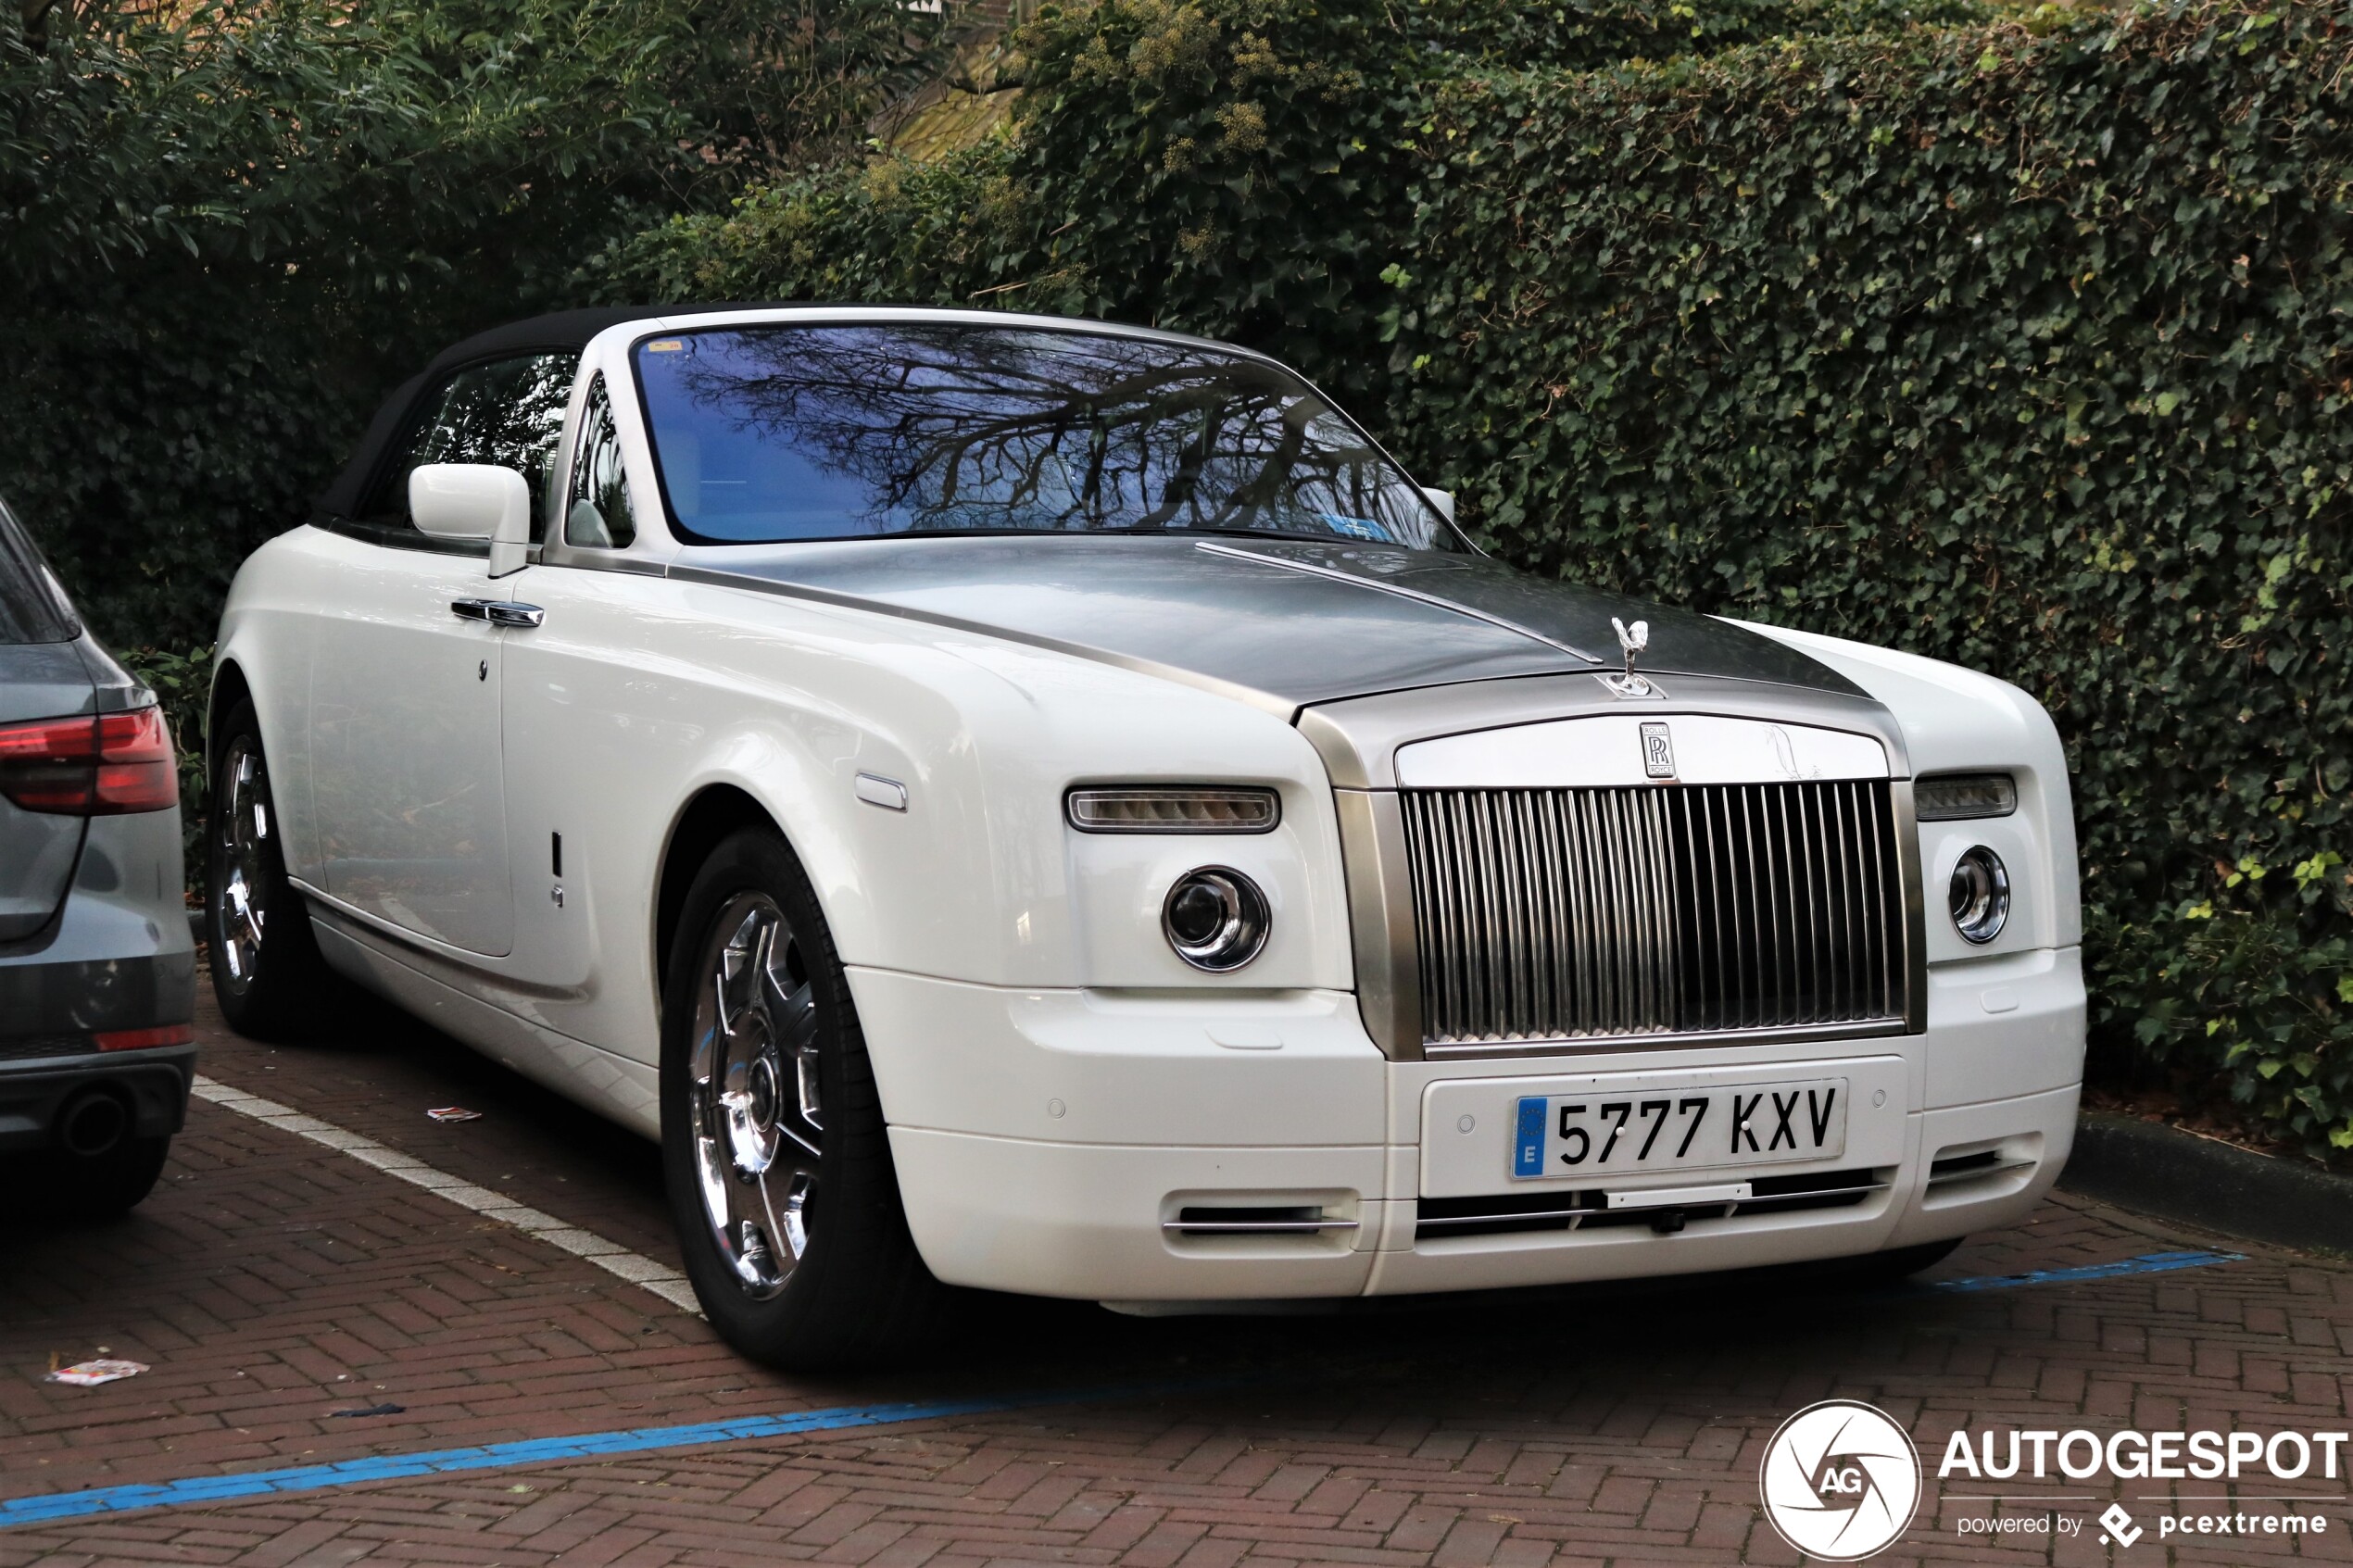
(1208, 1219)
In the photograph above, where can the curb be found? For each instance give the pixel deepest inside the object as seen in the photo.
(2177, 1176)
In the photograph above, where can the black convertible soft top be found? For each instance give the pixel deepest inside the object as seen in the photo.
(545, 334)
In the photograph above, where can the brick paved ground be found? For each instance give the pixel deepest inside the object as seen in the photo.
(271, 1281)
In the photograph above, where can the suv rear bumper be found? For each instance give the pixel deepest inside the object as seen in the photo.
(118, 955)
(68, 1000)
(36, 1093)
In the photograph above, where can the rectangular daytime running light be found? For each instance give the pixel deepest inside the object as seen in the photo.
(1955, 796)
(1141, 810)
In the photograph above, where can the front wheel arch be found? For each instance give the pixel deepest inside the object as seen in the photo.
(271, 982)
(230, 688)
(713, 815)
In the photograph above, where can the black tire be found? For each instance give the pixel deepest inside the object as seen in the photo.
(827, 1277)
(266, 971)
(102, 1187)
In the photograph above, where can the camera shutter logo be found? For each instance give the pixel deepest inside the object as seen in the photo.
(1841, 1480)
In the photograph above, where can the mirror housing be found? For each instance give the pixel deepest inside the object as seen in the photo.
(1442, 499)
(475, 501)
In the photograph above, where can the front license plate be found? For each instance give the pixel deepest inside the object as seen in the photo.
(1678, 1129)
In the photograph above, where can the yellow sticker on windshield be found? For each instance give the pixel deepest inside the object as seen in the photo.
(664, 346)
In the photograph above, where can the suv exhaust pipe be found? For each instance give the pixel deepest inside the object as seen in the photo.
(92, 1124)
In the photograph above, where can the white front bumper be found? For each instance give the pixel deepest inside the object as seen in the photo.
(1047, 1141)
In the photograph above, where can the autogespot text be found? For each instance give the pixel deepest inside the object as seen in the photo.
(2156, 1456)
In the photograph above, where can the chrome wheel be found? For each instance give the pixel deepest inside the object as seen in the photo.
(752, 1093)
(242, 824)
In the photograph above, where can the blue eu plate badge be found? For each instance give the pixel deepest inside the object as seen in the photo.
(1528, 1143)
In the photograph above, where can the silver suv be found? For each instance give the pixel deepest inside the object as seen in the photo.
(98, 970)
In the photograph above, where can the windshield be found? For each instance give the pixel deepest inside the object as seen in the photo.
(784, 432)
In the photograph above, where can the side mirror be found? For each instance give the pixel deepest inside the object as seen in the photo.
(1442, 499)
(475, 501)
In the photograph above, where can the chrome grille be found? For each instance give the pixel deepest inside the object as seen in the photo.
(1692, 909)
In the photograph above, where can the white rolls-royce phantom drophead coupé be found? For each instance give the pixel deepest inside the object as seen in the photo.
(1045, 805)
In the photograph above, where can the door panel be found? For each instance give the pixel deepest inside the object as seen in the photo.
(576, 719)
(406, 775)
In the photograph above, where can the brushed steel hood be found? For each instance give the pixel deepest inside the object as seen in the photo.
(1283, 623)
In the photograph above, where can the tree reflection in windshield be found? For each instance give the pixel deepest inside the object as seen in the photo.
(784, 432)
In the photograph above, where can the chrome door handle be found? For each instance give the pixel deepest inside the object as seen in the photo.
(499, 612)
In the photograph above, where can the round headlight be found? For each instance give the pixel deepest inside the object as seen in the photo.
(1214, 918)
(1980, 895)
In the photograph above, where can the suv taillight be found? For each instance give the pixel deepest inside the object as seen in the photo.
(91, 766)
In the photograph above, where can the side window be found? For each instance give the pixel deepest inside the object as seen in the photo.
(505, 412)
(33, 610)
(596, 509)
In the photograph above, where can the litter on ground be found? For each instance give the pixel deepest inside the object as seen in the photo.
(88, 1373)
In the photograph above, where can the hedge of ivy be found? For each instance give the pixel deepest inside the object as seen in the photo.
(2018, 343)
(1243, 166)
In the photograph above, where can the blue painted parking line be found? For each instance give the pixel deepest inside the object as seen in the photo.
(548, 1451)
(2147, 1264)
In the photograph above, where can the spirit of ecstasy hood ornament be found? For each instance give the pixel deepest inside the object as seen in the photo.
(1634, 639)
